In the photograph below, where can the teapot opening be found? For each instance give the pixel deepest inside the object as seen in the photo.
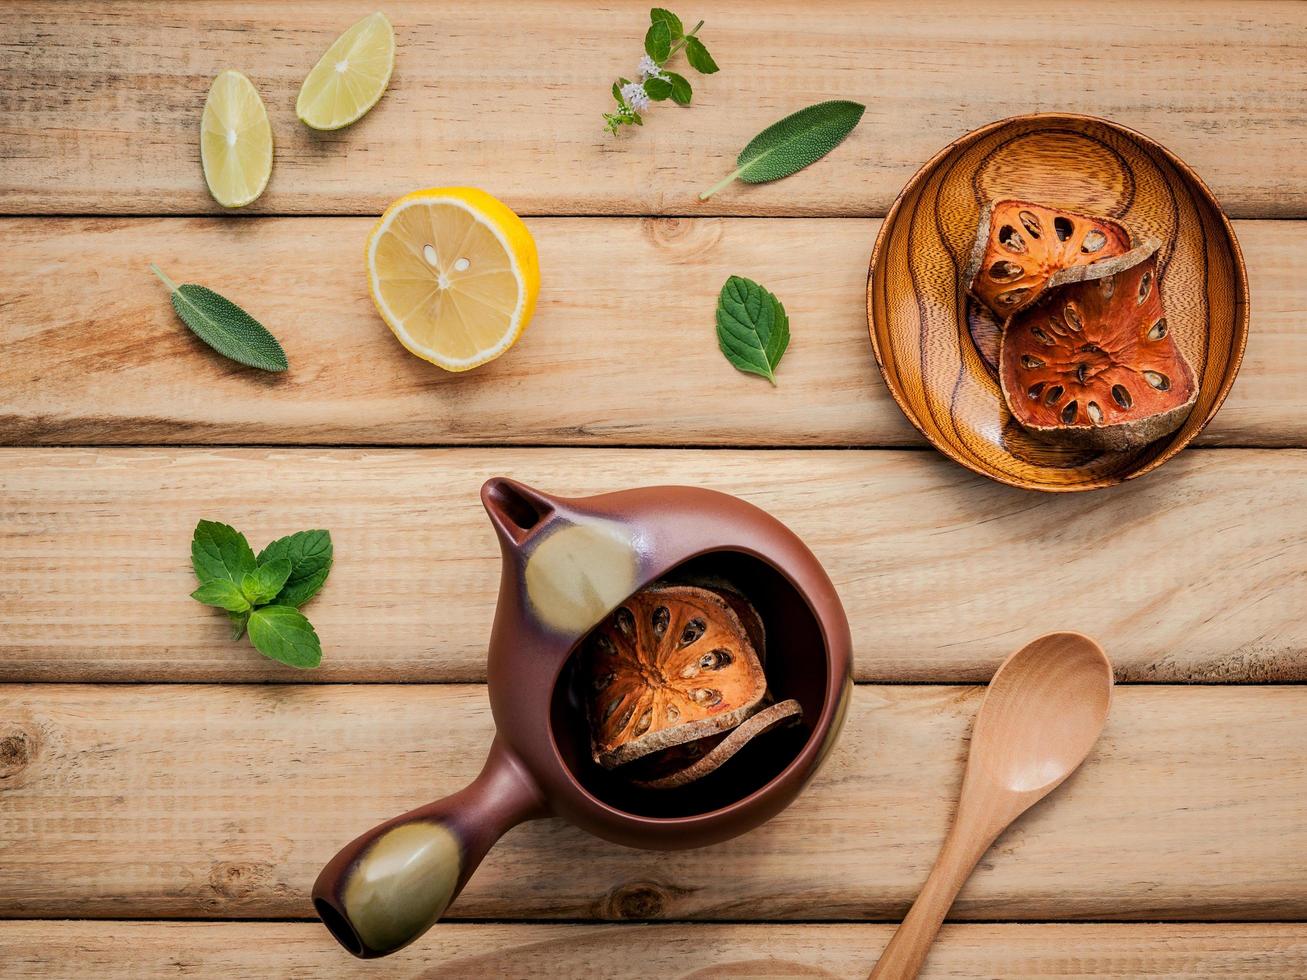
(796, 664)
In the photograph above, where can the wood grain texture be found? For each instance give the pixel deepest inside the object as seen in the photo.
(225, 800)
(942, 572)
(917, 305)
(464, 951)
(102, 102)
(94, 353)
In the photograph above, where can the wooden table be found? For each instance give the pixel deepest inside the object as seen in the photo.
(167, 796)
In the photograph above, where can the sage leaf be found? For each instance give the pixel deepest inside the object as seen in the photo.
(262, 585)
(282, 633)
(698, 57)
(658, 89)
(224, 326)
(674, 27)
(224, 594)
(753, 329)
(658, 41)
(681, 91)
(310, 556)
(220, 552)
(796, 141)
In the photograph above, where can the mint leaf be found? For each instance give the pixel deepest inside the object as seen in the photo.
(238, 623)
(224, 326)
(262, 585)
(310, 556)
(219, 551)
(658, 41)
(282, 633)
(681, 90)
(753, 329)
(223, 594)
(658, 89)
(674, 28)
(793, 143)
(698, 57)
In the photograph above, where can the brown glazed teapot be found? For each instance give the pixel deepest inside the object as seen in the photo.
(567, 563)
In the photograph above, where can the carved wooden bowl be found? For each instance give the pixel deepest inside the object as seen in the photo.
(937, 348)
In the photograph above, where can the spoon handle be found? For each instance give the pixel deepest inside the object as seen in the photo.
(911, 942)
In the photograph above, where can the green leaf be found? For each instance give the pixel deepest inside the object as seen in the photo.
(681, 90)
(698, 57)
(617, 93)
(793, 143)
(674, 28)
(262, 585)
(224, 326)
(753, 329)
(282, 633)
(658, 89)
(310, 556)
(223, 594)
(219, 551)
(658, 41)
(238, 623)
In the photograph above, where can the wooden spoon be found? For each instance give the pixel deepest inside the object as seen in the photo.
(1041, 715)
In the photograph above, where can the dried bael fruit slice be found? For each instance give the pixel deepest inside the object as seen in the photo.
(1095, 364)
(672, 664)
(1023, 249)
(683, 764)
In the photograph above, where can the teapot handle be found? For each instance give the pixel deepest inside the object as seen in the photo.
(387, 887)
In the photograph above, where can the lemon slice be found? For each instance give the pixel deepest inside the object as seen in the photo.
(454, 273)
(235, 141)
(349, 79)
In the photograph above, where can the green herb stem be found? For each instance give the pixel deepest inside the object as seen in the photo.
(720, 184)
(680, 44)
(172, 286)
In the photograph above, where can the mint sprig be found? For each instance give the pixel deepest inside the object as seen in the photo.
(753, 329)
(665, 38)
(262, 594)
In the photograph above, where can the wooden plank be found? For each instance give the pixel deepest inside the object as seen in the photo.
(266, 950)
(1192, 575)
(224, 801)
(508, 96)
(622, 350)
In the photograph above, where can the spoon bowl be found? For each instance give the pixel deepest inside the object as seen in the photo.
(1043, 712)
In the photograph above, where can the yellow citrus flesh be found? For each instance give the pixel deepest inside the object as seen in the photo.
(349, 79)
(455, 275)
(235, 141)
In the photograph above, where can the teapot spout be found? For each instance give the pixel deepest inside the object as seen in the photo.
(515, 509)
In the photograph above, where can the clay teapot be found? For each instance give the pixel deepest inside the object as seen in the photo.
(568, 563)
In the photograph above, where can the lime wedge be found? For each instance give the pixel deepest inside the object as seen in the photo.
(349, 79)
(235, 141)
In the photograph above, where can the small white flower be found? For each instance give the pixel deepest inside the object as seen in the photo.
(649, 68)
(634, 94)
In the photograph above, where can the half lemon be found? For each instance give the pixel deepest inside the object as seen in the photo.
(455, 275)
(235, 141)
(349, 79)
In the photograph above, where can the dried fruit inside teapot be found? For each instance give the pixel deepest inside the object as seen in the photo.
(1095, 363)
(671, 677)
(1024, 249)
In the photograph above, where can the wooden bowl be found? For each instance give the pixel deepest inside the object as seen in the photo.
(938, 349)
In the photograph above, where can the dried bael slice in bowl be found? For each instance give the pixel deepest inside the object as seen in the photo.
(1095, 364)
(1024, 249)
(672, 664)
(684, 764)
